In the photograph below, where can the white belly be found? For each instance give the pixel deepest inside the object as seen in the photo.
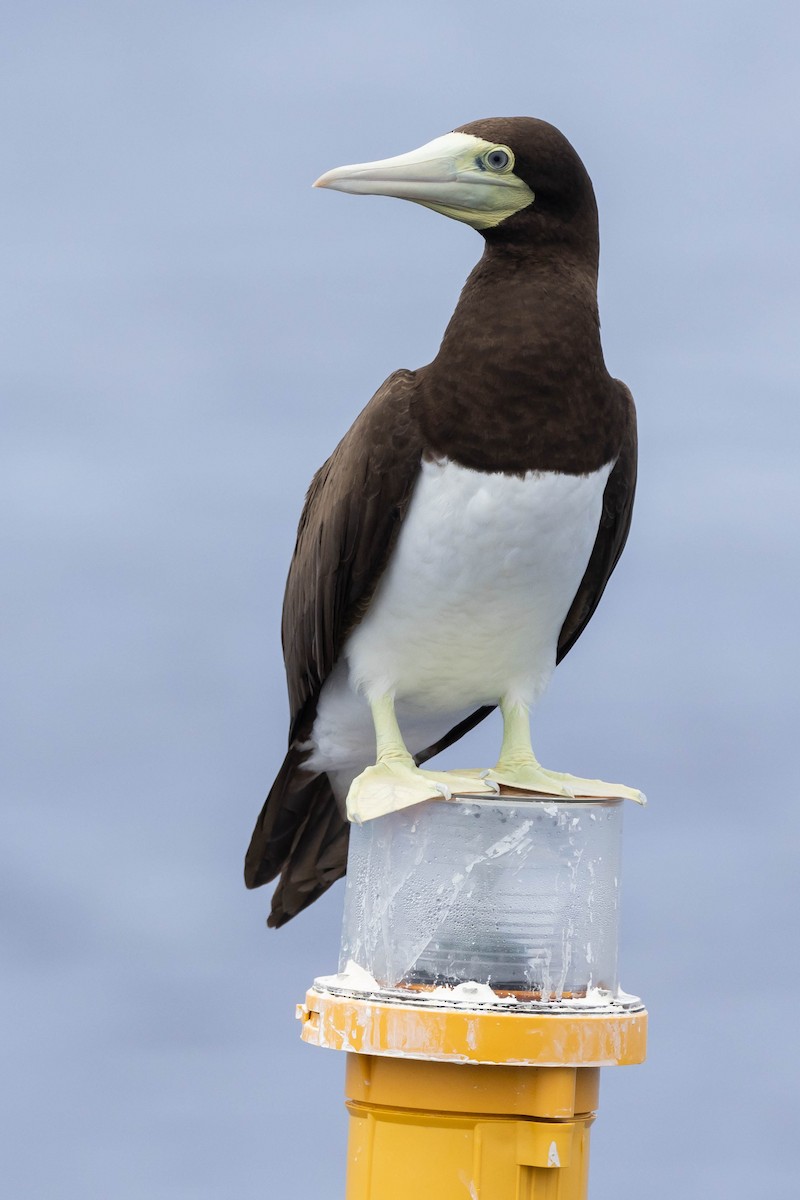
(470, 607)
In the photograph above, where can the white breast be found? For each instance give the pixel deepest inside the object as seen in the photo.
(483, 574)
(471, 605)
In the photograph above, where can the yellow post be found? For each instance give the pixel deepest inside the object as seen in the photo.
(470, 1105)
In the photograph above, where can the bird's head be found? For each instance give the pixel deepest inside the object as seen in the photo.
(507, 177)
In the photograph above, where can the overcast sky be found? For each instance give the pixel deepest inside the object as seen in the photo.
(187, 331)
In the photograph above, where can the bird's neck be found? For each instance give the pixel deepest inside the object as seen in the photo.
(520, 365)
(536, 306)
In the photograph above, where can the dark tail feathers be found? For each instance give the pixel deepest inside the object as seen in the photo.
(300, 834)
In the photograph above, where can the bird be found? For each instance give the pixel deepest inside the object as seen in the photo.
(455, 544)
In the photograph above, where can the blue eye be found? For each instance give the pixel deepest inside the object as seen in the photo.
(498, 160)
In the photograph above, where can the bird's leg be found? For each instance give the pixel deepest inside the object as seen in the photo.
(518, 766)
(396, 781)
(389, 744)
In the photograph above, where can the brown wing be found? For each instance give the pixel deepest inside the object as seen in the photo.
(349, 525)
(615, 521)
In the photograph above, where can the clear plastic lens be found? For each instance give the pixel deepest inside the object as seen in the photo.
(521, 895)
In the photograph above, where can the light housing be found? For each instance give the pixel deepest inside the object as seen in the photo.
(499, 900)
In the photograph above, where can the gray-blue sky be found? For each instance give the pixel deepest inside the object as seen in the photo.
(187, 330)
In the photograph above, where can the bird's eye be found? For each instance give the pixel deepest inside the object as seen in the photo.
(498, 160)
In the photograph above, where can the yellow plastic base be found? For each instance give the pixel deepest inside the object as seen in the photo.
(457, 1104)
(526, 1038)
(420, 1130)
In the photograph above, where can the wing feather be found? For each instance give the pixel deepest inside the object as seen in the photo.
(349, 525)
(350, 522)
(615, 522)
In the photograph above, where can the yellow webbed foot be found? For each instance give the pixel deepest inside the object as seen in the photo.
(532, 777)
(393, 784)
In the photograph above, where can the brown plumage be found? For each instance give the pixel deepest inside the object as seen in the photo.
(519, 385)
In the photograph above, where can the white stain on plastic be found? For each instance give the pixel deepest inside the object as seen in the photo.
(353, 978)
(469, 995)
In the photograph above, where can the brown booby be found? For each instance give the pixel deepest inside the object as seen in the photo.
(456, 543)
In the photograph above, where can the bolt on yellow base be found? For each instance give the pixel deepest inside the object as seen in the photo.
(430, 1117)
